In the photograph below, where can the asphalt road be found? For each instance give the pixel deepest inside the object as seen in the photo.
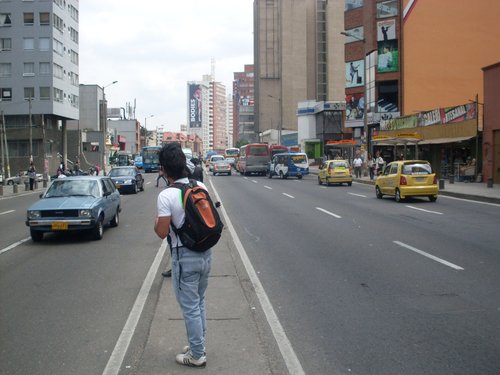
(369, 286)
(360, 285)
(64, 301)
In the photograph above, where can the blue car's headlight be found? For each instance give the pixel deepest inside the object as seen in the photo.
(129, 181)
(33, 215)
(85, 213)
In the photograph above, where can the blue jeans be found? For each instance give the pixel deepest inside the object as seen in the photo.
(190, 270)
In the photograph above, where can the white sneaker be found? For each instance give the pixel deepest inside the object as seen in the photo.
(187, 359)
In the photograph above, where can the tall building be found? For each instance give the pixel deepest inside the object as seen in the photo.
(206, 104)
(243, 106)
(298, 56)
(229, 120)
(38, 79)
(218, 115)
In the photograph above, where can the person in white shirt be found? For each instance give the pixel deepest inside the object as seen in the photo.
(357, 164)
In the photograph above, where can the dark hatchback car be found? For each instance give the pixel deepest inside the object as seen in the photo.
(127, 179)
(75, 204)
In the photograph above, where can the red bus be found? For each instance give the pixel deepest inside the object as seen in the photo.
(276, 149)
(254, 158)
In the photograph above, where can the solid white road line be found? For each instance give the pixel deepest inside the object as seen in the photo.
(328, 212)
(268, 187)
(288, 195)
(421, 209)
(286, 349)
(358, 195)
(446, 263)
(255, 181)
(6, 212)
(14, 245)
(116, 359)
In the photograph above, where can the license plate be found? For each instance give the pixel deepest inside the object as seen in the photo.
(420, 179)
(117, 186)
(58, 225)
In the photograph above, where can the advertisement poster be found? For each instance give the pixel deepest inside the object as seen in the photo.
(388, 54)
(387, 9)
(195, 106)
(355, 73)
(353, 4)
(459, 113)
(354, 111)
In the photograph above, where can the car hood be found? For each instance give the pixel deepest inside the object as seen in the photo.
(64, 203)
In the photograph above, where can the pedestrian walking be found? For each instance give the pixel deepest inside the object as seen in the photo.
(357, 164)
(32, 175)
(371, 165)
(190, 269)
(379, 163)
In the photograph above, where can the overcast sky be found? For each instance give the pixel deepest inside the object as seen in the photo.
(153, 47)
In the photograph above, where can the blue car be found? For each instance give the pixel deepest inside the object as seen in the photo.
(127, 179)
(80, 203)
(138, 161)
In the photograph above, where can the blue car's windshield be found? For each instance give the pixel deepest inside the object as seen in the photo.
(66, 188)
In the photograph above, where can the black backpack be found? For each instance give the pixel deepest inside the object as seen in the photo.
(202, 227)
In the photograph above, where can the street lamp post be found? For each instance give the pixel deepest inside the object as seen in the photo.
(104, 122)
(280, 124)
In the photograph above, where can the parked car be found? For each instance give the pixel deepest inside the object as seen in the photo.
(21, 177)
(213, 159)
(407, 178)
(221, 166)
(127, 179)
(80, 203)
(335, 172)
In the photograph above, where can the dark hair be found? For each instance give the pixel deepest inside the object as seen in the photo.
(173, 160)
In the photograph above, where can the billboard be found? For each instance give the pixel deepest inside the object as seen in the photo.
(195, 105)
(355, 73)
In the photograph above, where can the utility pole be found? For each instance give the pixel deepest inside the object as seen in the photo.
(5, 145)
(31, 131)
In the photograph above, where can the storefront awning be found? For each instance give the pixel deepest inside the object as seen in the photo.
(443, 140)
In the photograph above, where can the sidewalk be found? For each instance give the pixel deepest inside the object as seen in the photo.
(239, 341)
(467, 190)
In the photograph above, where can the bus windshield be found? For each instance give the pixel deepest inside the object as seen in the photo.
(257, 150)
(151, 158)
(232, 152)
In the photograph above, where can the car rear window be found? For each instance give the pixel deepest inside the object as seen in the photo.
(417, 168)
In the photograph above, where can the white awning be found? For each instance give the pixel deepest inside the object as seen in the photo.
(443, 140)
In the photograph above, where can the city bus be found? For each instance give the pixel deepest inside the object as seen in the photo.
(276, 149)
(232, 154)
(254, 158)
(151, 158)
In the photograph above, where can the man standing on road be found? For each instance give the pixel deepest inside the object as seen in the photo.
(190, 269)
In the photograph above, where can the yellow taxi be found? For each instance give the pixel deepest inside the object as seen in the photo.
(335, 172)
(407, 178)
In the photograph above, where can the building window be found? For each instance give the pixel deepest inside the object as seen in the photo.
(73, 12)
(29, 93)
(29, 69)
(5, 69)
(58, 95)
(44, 68)
(73, 35)
(29, 18)
(58, 47)
(5, 44)
(5, 19)
(74, 57)
(6, 94)
(44, 18)
(58, 71)
(44, 44)
(28, 44)
(58, 23)
(44, 93)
